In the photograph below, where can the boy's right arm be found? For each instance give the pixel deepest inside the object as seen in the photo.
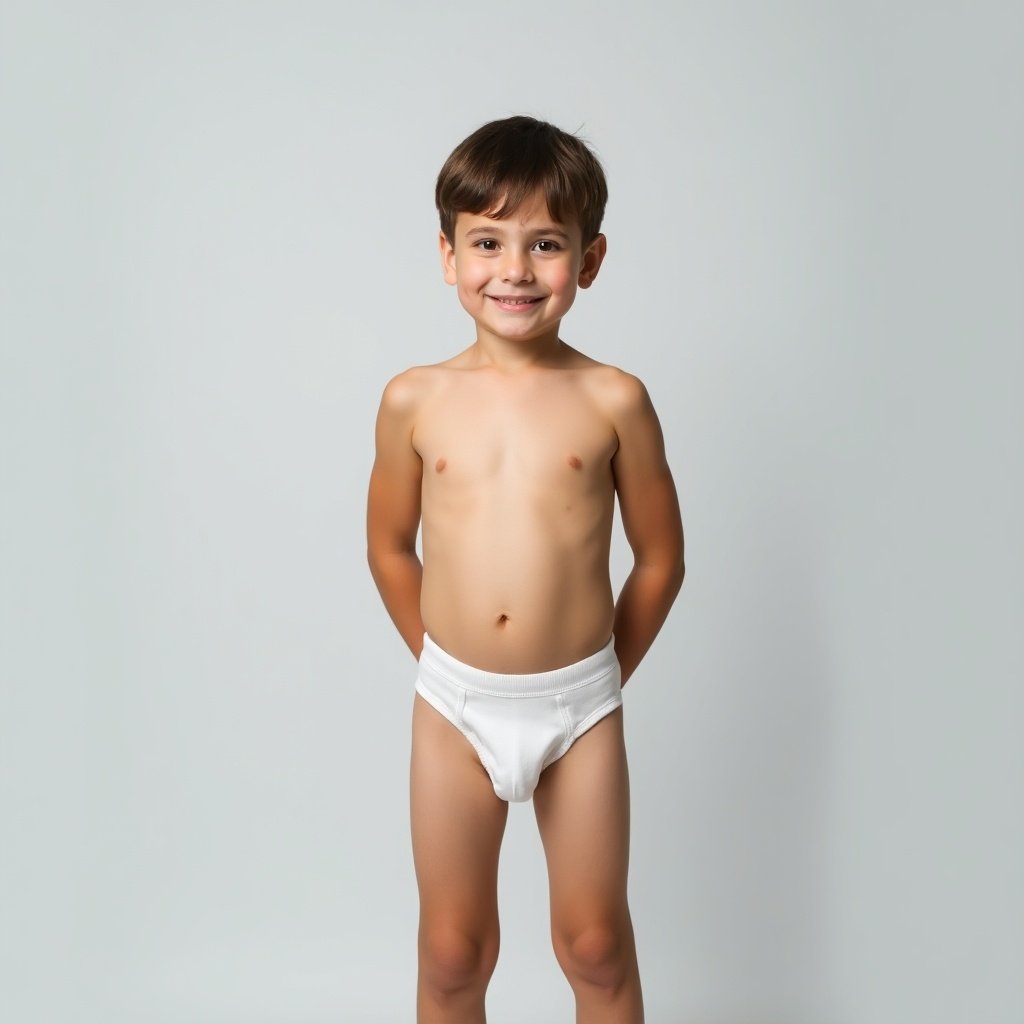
(393, 510)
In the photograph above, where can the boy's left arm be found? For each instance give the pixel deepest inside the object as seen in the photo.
(650, 518)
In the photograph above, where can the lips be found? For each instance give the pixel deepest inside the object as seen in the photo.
(515, 301)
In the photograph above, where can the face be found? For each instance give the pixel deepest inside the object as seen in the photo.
(518, 277)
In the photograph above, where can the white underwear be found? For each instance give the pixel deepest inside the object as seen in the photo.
(519, 724)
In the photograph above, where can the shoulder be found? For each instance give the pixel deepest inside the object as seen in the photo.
(405, 393)
(623, 398)
(620, 394)
(406, 389)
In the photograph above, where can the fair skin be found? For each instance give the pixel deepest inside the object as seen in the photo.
(511, 455)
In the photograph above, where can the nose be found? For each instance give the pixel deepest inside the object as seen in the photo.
(515, 266)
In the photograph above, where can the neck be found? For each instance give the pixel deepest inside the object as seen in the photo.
(503, 354)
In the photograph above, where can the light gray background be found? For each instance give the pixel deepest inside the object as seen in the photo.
(218, 243)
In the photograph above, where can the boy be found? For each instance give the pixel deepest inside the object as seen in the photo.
(512, 452)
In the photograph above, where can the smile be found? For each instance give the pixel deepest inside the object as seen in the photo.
(514, 302)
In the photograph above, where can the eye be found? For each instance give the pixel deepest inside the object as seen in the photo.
(487, 244)
(546, 245)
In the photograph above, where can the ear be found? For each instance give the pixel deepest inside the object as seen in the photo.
(447, 258)
(593, 257)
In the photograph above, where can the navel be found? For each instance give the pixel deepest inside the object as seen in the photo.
(575, 461)
(440, 464)
(502, 619)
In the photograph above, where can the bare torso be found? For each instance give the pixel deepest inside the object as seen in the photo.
(517, 508)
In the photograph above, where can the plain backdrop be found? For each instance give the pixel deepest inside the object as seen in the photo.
(218, 242)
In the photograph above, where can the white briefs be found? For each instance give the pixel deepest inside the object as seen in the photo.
(519, 724)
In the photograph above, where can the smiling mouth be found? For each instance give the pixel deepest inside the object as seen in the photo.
(514, 300)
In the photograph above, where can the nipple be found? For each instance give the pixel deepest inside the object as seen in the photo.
(575, 461)
(440, 464)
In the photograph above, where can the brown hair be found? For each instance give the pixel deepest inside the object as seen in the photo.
(503, 162)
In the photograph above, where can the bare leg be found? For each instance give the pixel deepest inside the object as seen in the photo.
(457, 827)
(582, 808)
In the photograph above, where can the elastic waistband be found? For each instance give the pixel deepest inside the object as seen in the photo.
(531, 684)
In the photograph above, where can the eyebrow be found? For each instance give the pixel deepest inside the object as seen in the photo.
(497, 231)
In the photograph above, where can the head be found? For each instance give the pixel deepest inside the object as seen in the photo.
(505, 162)
(521, 204)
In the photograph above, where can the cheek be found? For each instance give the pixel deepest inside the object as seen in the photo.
(469, 286)
(467, 282)
(562, 279)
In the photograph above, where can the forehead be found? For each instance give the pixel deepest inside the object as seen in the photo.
(531, 214)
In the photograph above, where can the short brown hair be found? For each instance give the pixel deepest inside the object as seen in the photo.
(503, 162)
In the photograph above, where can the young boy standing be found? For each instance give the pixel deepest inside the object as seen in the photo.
(512, 453)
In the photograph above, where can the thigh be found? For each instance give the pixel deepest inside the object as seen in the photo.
(582, 809)
(457, 825)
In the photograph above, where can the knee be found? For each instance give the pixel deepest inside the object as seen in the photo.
(453, 961)
(597, 956)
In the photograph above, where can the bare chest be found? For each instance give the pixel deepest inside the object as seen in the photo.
(546, 437)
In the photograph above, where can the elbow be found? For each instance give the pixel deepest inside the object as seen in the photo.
(374, 560)
(668, 571)
(678, 568)
(379, 556)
